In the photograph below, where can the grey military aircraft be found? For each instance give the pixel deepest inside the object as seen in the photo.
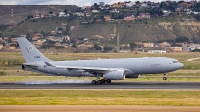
(109, 69)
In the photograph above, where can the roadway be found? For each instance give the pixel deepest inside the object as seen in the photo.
(113, 85)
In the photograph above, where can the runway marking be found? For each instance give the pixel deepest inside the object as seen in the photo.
(112, 86)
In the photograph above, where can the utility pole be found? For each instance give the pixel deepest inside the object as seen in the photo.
(118, 46)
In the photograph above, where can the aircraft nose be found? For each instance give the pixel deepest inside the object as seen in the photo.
(181, 65)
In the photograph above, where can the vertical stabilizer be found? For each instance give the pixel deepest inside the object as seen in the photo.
(29, 51)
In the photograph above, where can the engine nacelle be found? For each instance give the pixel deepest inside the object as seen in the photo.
(133, 76)
(115, 75)
(23, 67)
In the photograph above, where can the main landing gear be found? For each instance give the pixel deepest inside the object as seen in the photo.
(101, 81)
(165, 77)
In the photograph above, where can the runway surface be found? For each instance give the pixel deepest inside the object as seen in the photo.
(113, 85)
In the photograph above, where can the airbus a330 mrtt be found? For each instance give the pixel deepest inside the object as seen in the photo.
(109, 69)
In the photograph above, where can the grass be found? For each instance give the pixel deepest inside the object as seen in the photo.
(99, 97)
(12, 60)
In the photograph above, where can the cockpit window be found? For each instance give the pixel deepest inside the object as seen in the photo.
(175, 61)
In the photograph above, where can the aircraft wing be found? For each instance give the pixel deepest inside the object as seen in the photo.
(88, 69)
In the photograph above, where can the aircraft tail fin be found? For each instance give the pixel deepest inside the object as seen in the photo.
(29, 51)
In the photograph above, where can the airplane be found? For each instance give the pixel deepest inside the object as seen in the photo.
(109, 69)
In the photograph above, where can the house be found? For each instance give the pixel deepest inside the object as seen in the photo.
(184, 5)
(95, 11)
(129, 18)
(164, 44)
(62, 14)
(114, 11)
(86, 45)
(40, 42)
(12, 47)
(166, 13)
(37, 36)
(107, 17)
(6, 39)
(129, 4)
(148, 45)
(57, 44)
(144, 5)
(156, 51)
(80, 14)
(119, 5)
(39, 15)
(1, 46)
(176, 49)
(144, 16)
(14, 40)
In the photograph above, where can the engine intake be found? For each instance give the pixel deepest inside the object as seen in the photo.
(115, 75)
(23, 67)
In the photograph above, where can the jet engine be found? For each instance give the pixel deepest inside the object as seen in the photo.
(23, 67)
(115, 75)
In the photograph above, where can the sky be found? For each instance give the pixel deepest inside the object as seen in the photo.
(79, 3)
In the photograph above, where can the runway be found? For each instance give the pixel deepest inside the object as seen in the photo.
(113, 85)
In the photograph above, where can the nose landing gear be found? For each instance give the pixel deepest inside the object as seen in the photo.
(165, 77)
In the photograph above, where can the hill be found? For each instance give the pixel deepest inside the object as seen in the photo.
(132, 31)
(13, 14)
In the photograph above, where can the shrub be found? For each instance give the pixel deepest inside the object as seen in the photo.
(2, 73)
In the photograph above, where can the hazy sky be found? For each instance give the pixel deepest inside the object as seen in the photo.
(63, 2)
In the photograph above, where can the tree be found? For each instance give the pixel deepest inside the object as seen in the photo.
(60, 29)
(132, 45)
(181, 39)
(29, 16)
(96, 6)
(97, 47)
(74, 45)
(51, 12)
(137, 2)
(65, 11)
(28, 36)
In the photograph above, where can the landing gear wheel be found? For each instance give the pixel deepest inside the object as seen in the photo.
(94, 82)
(99, 82)
(164, 78)
(103, 80)
(108, 81)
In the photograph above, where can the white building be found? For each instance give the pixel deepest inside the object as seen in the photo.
(156, 51)
(62, 14)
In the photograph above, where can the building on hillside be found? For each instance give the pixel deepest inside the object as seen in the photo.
(14, 40)
(119, 5)
(176, 49)
(107, 17)
(129, 3)
(95, 11)
(57, 44)
(148, 45)
(156, 51)
(37, 36)
(144, 16)
(164, 44)
(1, 46)
(62, 14)
(114, 11)
(129, 18)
